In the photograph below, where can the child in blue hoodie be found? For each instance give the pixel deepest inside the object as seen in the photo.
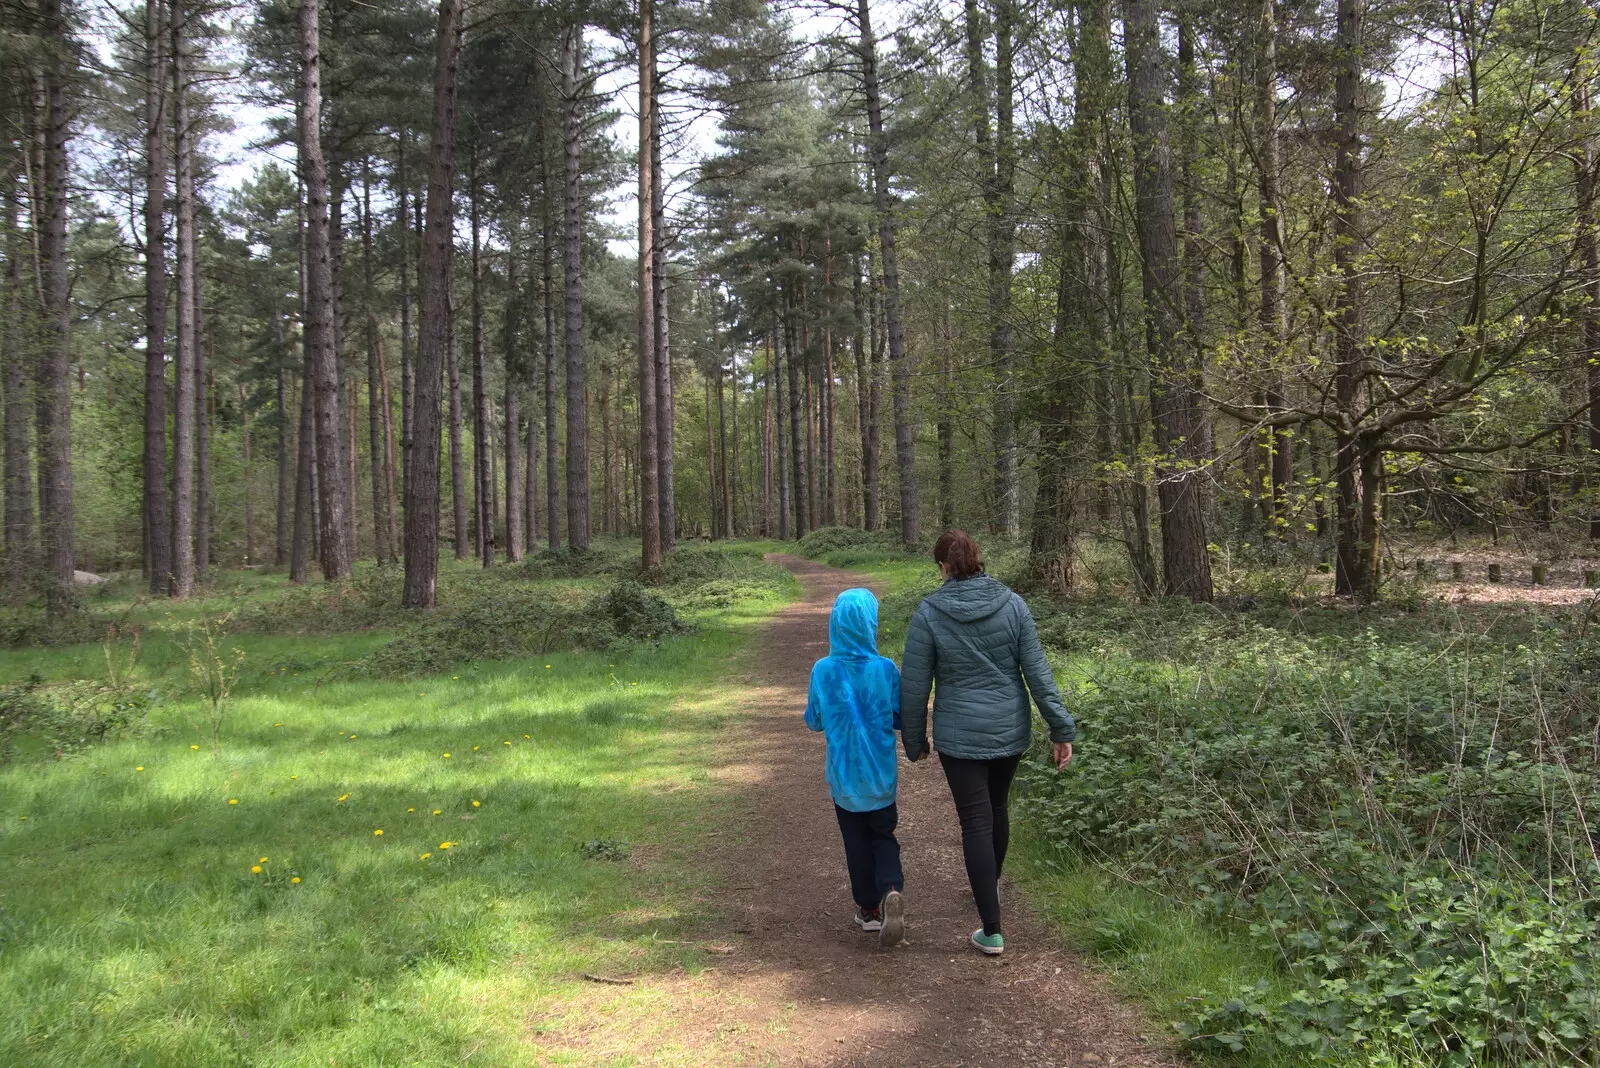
(855, 702)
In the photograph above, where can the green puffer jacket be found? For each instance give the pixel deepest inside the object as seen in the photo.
(973, 642)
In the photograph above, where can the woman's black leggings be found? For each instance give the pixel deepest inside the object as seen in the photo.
(982, 789)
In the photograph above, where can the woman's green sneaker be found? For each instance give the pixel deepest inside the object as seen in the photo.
(991, 945)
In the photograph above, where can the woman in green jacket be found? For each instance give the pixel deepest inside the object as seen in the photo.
(974, 645)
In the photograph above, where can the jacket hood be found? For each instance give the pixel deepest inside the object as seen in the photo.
(969, 600)
(853, 626)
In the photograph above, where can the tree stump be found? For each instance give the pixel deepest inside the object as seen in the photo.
(1591, 577)
(1457, 570)
(1494, 573)
(1540, 575)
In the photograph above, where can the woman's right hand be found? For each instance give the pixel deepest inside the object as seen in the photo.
(1062, 754)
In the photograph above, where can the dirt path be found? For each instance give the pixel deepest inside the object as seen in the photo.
(802, 986)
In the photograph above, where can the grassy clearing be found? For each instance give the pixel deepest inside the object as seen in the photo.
(537, 821)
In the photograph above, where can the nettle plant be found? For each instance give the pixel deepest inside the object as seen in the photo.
(1409, 827)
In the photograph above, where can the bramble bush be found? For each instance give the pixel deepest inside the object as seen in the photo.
(1408, 824)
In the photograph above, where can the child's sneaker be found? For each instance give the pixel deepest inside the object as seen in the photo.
(990, 945)
(869, 919)
(893, 927)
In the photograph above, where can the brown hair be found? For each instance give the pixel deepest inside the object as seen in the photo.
(957, 549)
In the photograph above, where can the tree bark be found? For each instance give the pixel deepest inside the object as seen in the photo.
(183, 369)
(382, 547)
(866, 407)
(1175, 401)
(514, 365)
(1273, 315)
(577, 385)
(304, 482)
(666, 422)
(204, 388)
(552, 476)
(1356, 468)
(799, 428)
(434, 327)
(249, 506)
(458, 481)
(649, 363)
(335, 492)
(904, 432)
(157, 506)
(482, 451)
(781, 417)
(1587, 178)
(403, 244)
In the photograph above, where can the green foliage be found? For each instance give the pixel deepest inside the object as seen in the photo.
(370, 599)
(1404, 823)
(826, 540)
(54, 720)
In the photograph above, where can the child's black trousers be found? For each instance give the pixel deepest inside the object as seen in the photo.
(871, 852)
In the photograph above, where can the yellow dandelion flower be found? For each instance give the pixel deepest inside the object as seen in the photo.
(352, 737)
(233, 800)
(447, 756)
(456, 677)
(474, 749)
(527, 736)
(425, 856)
(194, 747)
(547, 667)
(435, 812)
(410, 810)
(378, 833)
(475, 804)
(22, 817)
(345, 797)
(255, 869)
(294, 776)
(139, 768)
(505, 743)
(446, 845)
(295, 880)
(263, 860)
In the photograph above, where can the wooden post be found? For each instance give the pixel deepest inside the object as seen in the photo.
(1494, 573)
(1540, 575)
(1591, 578)
(1457, 571)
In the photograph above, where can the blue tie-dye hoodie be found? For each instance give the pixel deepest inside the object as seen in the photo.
(855, 702)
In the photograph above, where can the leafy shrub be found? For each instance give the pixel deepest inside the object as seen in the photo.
(30, 625)
(636, 614)
(716, 576)
(518, 621)
(1405, 823)
(70, 717)
(370, 599)
(569, 563)
(826, 540)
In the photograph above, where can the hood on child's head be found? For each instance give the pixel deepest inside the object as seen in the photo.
(853, 626)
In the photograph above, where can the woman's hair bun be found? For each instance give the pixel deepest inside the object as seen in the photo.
(957, 549)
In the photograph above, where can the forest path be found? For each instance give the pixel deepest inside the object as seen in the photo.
(801, 985)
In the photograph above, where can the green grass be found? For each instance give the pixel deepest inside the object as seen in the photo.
(134, 932)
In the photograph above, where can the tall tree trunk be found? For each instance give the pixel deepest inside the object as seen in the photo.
(434, 326)
(1587, 178)
(723, 491)
(1191, 103)
(1273, 316)
(997, 166)
(335, 491)
(1175, 402)
(204, 388)
(799, 424)
(280, 547)
(515, 367)
(382, 548)
(649, 428)
(552, 468)
(157, 507)
(183, 427)
(403, 244)
(304, 482)
(53, 396)
(781, 418)
(666, 461)
(249, 505)
(904, 431)
(866, 406)
(572, 256)
(15, 360)
(1356, 469)
(458, 481)
(482, 451)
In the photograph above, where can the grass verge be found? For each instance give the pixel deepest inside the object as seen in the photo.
(373, 872)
